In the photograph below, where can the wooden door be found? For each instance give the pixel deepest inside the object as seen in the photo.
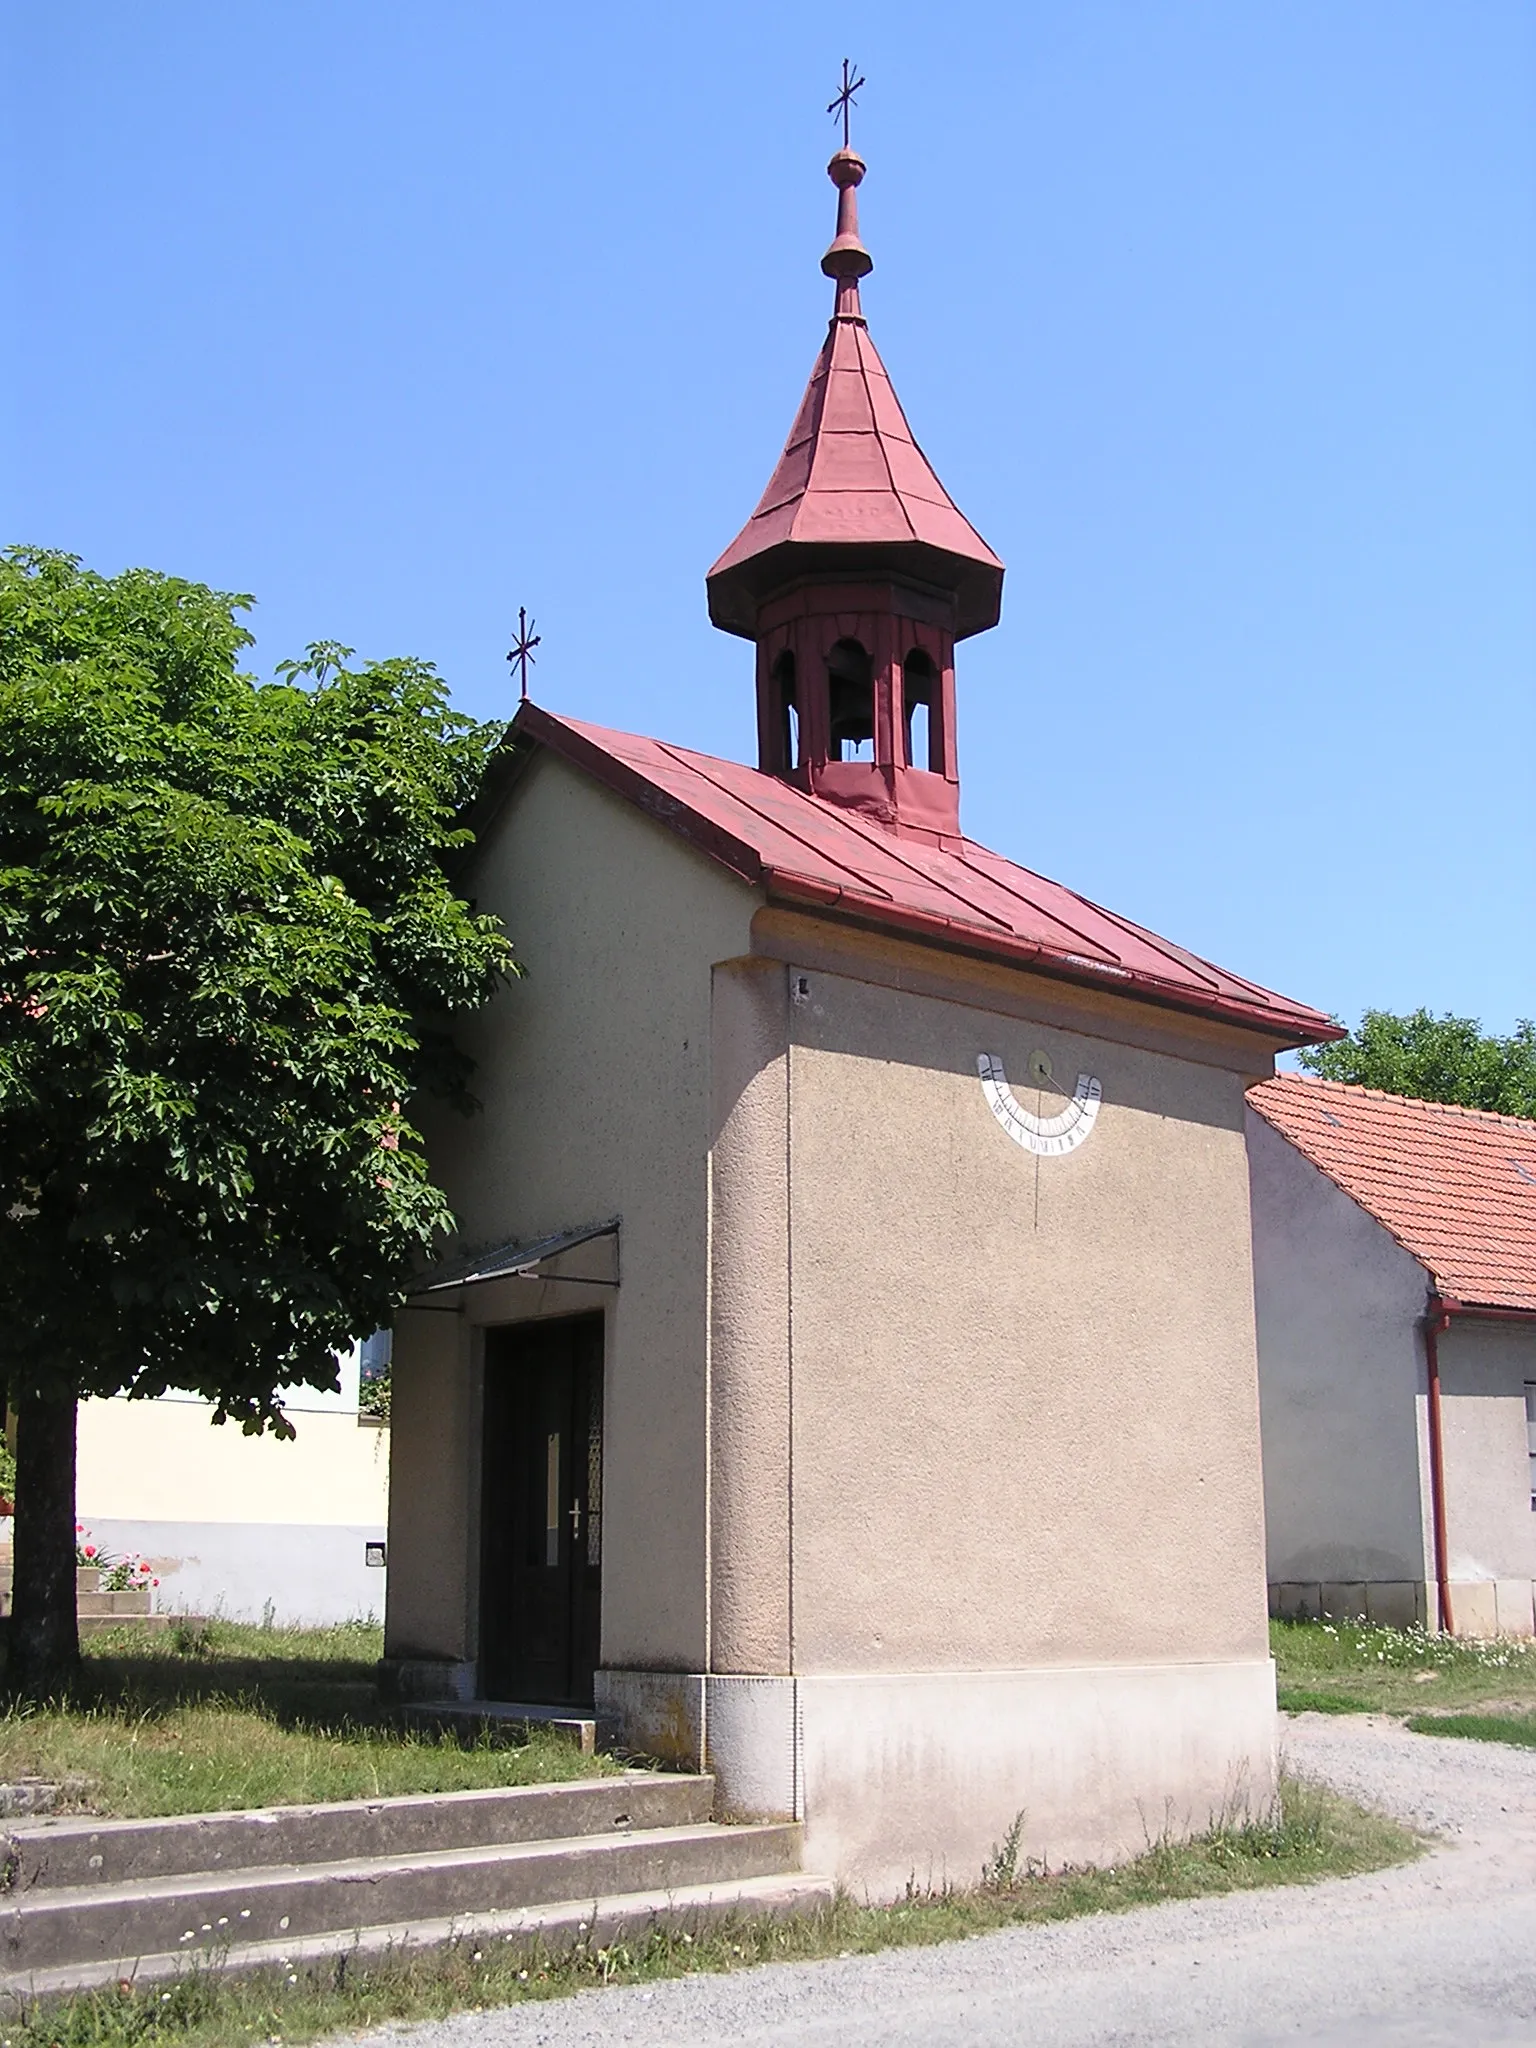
(542, 1510)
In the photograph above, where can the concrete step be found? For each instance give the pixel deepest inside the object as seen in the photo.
(93, 1624)
(474, 1719)
(70, 1852)
(95, 1611)
(135, 1601)
(96, 1624)
(58, 1926)
(555, 1926)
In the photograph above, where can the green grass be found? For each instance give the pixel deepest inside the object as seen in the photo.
(1300, 1699)
(1513, 1728)
(226, 1716)
(1342, 1668)
(1312, 1834)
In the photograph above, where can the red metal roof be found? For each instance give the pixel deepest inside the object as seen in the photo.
(852, 477)
(1455, 1187)
(810, 854)
(851, 469)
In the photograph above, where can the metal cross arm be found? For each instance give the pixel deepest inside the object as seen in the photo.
(845, 98)
(520, 654)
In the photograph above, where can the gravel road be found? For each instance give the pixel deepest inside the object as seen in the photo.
(1441, 1951)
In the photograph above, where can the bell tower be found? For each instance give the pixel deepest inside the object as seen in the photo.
(855, 577)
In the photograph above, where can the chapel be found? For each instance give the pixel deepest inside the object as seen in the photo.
(844, 1378)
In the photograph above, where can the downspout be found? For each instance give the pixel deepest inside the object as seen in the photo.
(1437, 1318)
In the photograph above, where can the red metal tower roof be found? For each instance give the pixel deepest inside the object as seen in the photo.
(852, 489)
(809, 854)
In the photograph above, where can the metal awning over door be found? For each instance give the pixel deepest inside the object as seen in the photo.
(533, 1260)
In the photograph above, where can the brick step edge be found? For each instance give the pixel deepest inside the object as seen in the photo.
(554, 1927)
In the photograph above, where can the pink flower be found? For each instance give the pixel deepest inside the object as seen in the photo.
(90, 1550)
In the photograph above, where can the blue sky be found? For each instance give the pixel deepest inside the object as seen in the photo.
(1218, 320)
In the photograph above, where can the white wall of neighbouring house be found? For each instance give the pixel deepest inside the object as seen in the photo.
(248, 1528)
(1341, 1382)
(1485, 1368)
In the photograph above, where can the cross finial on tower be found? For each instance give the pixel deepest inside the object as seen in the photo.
(520, 653)
(845, 99)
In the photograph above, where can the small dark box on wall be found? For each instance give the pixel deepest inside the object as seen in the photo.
(375, 1553)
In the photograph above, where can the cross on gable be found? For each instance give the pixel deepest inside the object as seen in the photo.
(520, 654)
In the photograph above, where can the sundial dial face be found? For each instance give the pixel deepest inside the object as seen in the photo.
(1046, 1136)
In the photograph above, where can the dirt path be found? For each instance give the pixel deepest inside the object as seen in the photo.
(1442, 1951)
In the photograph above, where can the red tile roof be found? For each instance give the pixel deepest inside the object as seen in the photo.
(1455, 1187)
(810, 854)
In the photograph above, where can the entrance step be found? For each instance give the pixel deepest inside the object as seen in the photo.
(91, 1901)
(576, 1725)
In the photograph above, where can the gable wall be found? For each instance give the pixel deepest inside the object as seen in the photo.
(1341, 1379)
(594, 1075)
(988, 1438)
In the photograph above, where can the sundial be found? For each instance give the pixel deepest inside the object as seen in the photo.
(1046, 1136)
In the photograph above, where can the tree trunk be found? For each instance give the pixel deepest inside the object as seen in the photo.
(44, 1651)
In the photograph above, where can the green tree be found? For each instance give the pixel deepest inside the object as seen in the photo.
(230, 955)
(1438, 1059)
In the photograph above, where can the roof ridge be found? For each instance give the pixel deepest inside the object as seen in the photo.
(1525, 1125)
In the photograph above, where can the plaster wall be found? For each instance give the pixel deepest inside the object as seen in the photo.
(1341, 1380)
(286, 1574)
(241, 1526)
(751, 1385)
(986, 1502)
(166, 1461)
(922, 1775)
(1484, 1367)
(430, 1613)
(1024, 1400)
(594, 1075)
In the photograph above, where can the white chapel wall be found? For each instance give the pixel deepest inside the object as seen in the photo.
(987, 1529)
(594, 1073)
(1043, 1366)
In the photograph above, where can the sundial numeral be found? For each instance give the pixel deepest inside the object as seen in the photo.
(1046, 1136)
